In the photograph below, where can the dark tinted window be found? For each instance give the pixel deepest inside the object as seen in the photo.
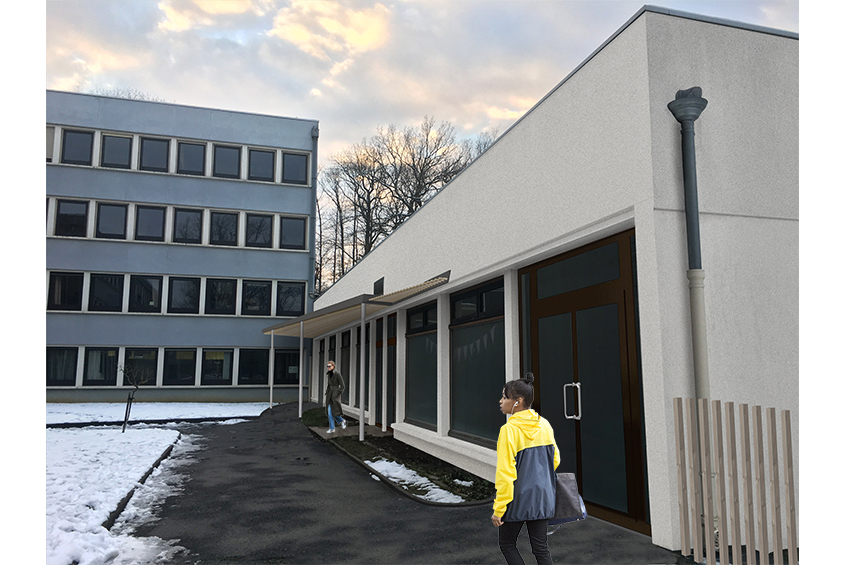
(140, 367)
(150, 223)
(61, 366)
(290, 298)
(261, 165)
(145, 294)
(51, 136)
(188, 225)
(294, 168)
(191, 159)
(71, 218)
(184, 295)
(180, 367)
(259, 230)
(253, 366)
(227, 162)
(76, 147)
(111, 221)
(154, 154)
(217, 367)
(256, 298)
(116, 151)
(65, 292)
(101, 366)
(292, 233)
(106, 293)
(286, 367)
(220, 296)
(224, 229)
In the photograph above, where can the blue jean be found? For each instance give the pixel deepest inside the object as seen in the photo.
(333, 420)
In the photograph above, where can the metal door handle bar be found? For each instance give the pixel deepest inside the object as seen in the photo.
(578, 401)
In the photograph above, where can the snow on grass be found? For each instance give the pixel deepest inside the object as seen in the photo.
(114, 411)
(410, 480)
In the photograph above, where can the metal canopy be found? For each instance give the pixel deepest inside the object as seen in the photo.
(344, 313)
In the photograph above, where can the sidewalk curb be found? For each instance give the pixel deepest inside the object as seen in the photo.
(391, 484)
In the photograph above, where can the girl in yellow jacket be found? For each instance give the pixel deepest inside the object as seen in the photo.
(527, 457)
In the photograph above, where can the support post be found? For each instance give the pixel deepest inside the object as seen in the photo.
(271, 371)
(300, 387)
(362, 375)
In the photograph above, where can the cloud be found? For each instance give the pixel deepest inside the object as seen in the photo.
(182, 16)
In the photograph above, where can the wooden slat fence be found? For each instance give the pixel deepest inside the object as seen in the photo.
(709, 469)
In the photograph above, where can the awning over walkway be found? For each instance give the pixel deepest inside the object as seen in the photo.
(345, 313)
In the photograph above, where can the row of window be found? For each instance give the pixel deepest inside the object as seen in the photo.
(166, 155)
(108, 292)
(171, 224)
(155, 366)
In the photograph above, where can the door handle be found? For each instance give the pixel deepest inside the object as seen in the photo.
(578, 387)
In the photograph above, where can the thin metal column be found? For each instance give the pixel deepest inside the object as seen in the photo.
(271, 372)
(300, 387)
(362, 376)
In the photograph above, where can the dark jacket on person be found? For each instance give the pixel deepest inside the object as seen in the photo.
(334, 388)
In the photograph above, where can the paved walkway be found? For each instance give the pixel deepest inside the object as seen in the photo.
(268, 491)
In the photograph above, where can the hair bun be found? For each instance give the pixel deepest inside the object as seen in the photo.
(529, 378)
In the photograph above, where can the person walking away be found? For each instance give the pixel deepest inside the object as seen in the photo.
(334, 388)
(525, 481)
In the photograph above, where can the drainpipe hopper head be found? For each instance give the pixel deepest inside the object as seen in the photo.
(688, 104)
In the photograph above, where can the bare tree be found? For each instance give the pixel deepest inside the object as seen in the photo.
(135, 375)
(128, 92)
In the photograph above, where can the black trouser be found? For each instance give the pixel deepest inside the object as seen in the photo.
(537, 530)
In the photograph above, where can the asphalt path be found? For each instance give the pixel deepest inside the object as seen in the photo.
(268, 491)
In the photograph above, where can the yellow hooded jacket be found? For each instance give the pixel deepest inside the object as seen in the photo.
(527, 458)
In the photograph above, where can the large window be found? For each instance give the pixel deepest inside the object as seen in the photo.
(101, 366)
(287, 367)
(184, 295)
(188, 225)
(140, 367)
(65, 291)
(77, 147)
(51, 136)
(111, 221)
(227, 163)
(224, 229)
(344, 367)
(256, 298)
(253, 365)
(71, 218)
(422, 366)
(116, 151)
(477, 361)
(261, 165)
(150, 223)
(180, 367)
(145, 293)
(292, 233)
(106, 293)
(294, 168)
(220, 296)
(191, 158)
(61, 366)
(217, 367)
(259, 230)
(154, 154)
(290, 298)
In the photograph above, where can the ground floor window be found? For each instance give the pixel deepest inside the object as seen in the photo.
(140, 366)
(65, 291)
(180, 367)
(253, 365)
(286, 367)
(217, 367)
(61, 366)
(101, 366)
(422, 366)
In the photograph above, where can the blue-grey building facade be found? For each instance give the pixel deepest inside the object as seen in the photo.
(175, 235)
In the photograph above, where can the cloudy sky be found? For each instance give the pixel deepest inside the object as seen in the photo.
(352, 65)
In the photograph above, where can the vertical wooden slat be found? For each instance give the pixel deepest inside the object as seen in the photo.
(776, 506)
(788, 471)
(694, 478)
(761, 501)
(747, 481)
(732, 475)
(679, 433)
(708, 500)
(720, 480)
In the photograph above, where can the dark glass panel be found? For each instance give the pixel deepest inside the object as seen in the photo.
(77, 146)
(106, 293)
(154, 155)
(555, 370)
(478, 369)
(184, 295)
(224, 229)
(492, 302)
(294, 168)
(256, 298)
(188, 225)
(220, 296)
(217, 367)
(286, 367)
(116, 152)
(290, 299)
(72, 218)
(292, 233)
(61, 366)
(51, 136)
(180, 367)
(344, 366)
(145, 294)
(140, 367)
(111, 221)
(526, 333)
(261, 165)
(227, 162)
(421, 379)
(253, 365)
(101, 366)
(259, 230)
(464, 307)
(191, 159)
(150, 223)
(65, 291)
(586, 269)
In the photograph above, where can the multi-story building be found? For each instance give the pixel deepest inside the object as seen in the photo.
(175, 234)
